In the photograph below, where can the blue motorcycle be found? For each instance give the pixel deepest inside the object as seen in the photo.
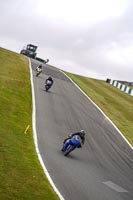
(70, 144)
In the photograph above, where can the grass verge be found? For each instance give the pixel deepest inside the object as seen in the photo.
(21, 176)
(117, 105)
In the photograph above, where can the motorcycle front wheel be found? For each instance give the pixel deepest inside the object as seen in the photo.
(69, 149)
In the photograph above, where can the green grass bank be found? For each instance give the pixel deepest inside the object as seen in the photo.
(117, 105)
(21, 176)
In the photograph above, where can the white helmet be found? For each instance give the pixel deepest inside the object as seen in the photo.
(82, 132)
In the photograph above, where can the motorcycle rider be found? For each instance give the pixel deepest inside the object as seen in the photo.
(39, 67)
(76, 139)
(49, 81)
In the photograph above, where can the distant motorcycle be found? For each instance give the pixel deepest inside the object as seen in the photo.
(38, 72)
(48, 85)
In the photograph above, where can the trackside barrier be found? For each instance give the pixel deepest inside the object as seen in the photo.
(120, 86)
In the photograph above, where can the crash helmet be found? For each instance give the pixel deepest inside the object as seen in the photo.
(40, 66)
(82, 133)
(50, 78)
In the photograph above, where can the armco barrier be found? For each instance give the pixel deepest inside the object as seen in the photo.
(120, 86)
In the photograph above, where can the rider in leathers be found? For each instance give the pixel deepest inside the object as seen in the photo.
(39, 67)
(49, 80)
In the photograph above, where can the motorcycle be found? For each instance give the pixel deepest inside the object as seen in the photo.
(48, 85)
(71, 145)
(38, 72)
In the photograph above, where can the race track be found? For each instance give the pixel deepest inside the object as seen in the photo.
(103, 168)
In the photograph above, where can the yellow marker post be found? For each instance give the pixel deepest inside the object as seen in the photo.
(27, 128)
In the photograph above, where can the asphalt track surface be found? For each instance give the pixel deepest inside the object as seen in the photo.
(103, 168)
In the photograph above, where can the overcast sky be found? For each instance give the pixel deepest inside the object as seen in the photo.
(93, 38)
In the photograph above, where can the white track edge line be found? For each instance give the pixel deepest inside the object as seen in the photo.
(99, 110)
(35, 136)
